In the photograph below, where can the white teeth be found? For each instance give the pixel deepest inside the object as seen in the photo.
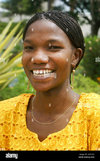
(41, 72)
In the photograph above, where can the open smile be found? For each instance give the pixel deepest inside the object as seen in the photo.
(41, 74)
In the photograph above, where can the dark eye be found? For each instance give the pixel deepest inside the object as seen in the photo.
(28, 48)
(54, 47)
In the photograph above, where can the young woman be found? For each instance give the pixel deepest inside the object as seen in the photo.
(56, 118)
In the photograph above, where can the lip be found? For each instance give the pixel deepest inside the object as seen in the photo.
(41, 68)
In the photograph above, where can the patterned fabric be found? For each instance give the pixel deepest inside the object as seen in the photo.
(81, 133)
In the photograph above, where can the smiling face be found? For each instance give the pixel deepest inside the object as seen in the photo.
(47, 55)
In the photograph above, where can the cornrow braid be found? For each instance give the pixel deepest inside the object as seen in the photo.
(66, 23)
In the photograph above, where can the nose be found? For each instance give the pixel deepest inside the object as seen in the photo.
(39, 57)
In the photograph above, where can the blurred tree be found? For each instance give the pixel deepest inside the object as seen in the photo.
(84, 7)
(50, 4)
(91, 59)
(20, 7)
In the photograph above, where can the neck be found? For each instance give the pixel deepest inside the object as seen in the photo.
(54, 101)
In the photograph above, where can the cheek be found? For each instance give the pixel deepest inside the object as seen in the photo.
(25, 59)
(64, 66)
(64, 61)
(25, 64)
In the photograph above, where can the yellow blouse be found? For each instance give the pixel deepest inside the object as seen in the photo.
(81, 133)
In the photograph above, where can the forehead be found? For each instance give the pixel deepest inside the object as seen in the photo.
(45, 28)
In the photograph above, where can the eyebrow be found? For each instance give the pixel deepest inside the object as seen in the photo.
(28, 41)
(55, 40)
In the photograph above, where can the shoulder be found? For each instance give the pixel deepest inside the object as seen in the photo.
(91, 104)
(13, 107)
(90, 95)
(90, 99)
(9, 104)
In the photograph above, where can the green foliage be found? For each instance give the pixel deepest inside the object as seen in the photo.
(16, 87)
(4, 24)
(8, 61)
(91, 59)
(85, 84)
(78, 7)
(26, 7)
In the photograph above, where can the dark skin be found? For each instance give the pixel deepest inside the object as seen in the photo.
(50, 49)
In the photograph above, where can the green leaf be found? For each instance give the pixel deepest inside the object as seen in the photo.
(10, 35)
(8, 64)
(12, 44)
(3, 34)
(9, 74)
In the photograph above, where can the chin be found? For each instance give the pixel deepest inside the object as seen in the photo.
(43, 87)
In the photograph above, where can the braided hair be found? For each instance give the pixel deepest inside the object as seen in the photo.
(63, 20)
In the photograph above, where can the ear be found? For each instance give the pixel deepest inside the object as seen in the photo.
(76, 56)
